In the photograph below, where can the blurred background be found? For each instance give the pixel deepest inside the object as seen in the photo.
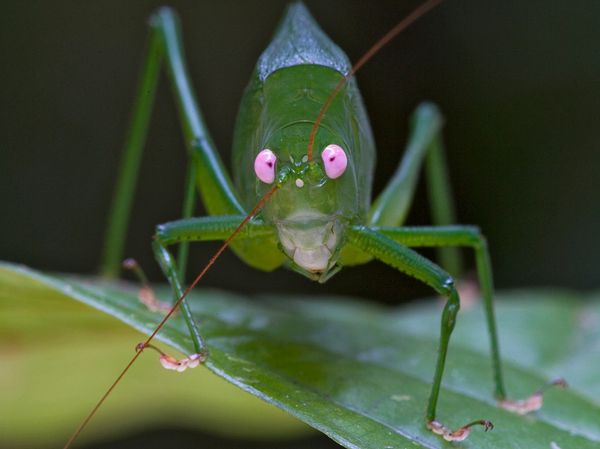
(518, 82)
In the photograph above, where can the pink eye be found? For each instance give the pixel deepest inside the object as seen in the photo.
(335, 161)
(264, 166)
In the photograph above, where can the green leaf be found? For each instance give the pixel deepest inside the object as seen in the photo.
(361, 373)
(58, 356)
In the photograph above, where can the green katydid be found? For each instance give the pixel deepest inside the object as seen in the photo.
(303, 160)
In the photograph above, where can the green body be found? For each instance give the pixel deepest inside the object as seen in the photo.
(281, 104)
(279, 113)
(289, 86)
(291, 82)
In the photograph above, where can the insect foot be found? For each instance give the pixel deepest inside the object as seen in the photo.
(170, 362)
(469, 293)
(146, 294)
(148, 298)
(459, 434)
(533, 402)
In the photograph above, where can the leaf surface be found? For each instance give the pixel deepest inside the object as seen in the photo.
(361, 373)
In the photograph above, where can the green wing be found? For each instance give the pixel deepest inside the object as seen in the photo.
(299, 40)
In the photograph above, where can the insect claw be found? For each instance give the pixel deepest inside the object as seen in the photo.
(195, 360)
(487, 425)
(148, 298)
(533, 402)
(558, 382)
(171, 363)
(469, 293)
(146, 294)
(459, 434)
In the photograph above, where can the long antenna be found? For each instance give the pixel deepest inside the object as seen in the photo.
(402, 25)
(210, 263)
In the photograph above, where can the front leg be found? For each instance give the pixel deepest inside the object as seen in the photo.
(457, 236)
(415, 265)
(197, 229)
(471, 237)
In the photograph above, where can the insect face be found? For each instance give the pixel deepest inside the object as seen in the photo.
(307, 208)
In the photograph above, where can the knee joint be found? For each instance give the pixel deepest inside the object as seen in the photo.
(451, 309)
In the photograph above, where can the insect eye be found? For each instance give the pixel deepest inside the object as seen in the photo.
(334, 160)
(264, 166)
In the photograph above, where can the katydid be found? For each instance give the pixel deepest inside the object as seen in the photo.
(303, 158)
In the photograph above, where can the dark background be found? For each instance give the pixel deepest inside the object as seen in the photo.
(518, 82)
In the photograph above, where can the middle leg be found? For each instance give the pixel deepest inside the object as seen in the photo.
(393, 203)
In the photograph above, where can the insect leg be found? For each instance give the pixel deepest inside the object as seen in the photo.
(189, 203)
(393, 204)
(197, 229)
(471, 237)
(408, 261)
(146, 294)
(169, 267)
(215, 185)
